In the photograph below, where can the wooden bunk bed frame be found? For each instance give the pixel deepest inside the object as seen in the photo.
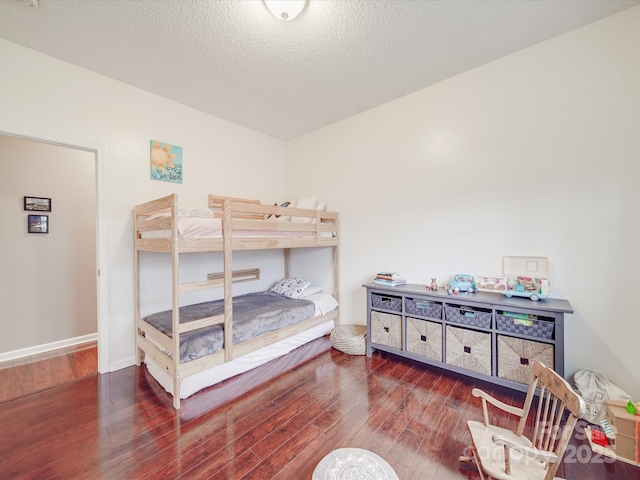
(320, 229)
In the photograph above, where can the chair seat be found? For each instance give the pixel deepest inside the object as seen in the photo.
(492, 456)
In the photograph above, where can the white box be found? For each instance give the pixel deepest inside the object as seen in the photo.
(536, 267)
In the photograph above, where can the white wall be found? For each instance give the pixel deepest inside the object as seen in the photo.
(533, 154)
(46, 97)
(47, 281)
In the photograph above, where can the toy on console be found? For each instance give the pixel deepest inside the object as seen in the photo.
(526, 277)
(533, 288)
(462, 283)
(433, 286)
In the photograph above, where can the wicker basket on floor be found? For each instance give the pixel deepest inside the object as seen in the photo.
(349, 339)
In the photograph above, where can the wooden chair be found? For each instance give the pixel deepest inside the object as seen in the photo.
(500, 453)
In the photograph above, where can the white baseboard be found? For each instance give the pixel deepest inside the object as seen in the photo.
(127, 362)
(47, 347)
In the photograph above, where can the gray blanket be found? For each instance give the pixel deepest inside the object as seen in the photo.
(253, 315)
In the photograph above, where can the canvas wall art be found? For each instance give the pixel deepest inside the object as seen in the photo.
(166, 162)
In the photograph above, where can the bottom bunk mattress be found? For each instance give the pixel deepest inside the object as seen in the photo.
(254, 314)
(214, 375)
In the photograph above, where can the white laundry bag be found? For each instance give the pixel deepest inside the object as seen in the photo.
(595, 389)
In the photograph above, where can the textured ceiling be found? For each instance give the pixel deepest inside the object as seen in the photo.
(232, 59)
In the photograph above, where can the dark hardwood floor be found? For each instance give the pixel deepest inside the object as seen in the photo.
(275, 422)
(46, 370)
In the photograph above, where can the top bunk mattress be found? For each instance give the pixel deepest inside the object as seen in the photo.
(253, 315)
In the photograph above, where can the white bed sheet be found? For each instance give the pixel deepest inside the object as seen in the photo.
(195, 383)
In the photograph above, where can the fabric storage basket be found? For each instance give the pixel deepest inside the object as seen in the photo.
(386, 302)
(469, 349)
(424, 308)
(516, 356)
(525, 324)
(424, 338)
(474, 317)
(386, 329)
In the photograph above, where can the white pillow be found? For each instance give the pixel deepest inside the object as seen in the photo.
(291, 287)
(311, 290)
(324, 303)
(308, 203)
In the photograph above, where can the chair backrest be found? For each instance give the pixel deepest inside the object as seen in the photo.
(557, 400)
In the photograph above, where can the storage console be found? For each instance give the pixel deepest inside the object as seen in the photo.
(483, 335)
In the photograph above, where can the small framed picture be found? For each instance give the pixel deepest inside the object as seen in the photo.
(37, 204)
(38, 224)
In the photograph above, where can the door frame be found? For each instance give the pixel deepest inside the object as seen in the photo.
(102, 306)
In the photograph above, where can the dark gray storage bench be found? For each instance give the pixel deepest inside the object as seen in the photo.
(483, 335)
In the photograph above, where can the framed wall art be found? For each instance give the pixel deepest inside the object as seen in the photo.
(37, 204)
(38, 224)
(166, 162)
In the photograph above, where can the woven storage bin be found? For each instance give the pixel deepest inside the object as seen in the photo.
(424, 308)
(386, 302)
(474, 317)
(516, 356)
(424, 338)
(530, 325)
(349, 339)
(386, 329)
(469, 349)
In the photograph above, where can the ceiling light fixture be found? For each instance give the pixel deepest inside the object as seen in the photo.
(285, 9)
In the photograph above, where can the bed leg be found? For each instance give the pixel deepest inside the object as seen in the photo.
(176, 393)
(139, 356)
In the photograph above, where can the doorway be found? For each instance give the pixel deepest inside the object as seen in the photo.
(68, 176)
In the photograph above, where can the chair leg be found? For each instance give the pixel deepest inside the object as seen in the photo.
(470, 460)
(467, 459)
(478, 466)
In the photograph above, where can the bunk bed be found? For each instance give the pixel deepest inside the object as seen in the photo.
(227, 225)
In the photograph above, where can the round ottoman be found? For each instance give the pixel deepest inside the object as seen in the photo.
(349, 339)
(353, 464)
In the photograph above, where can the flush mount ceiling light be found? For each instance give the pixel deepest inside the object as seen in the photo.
(285, 9)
